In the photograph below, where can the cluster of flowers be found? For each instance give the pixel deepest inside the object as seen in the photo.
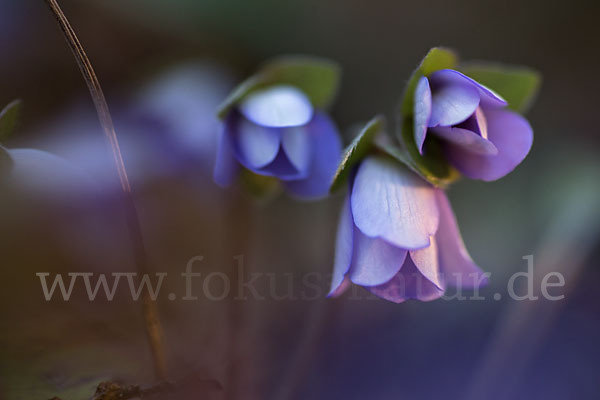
(397, 234)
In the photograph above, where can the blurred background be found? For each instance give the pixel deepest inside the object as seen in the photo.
(165, 66)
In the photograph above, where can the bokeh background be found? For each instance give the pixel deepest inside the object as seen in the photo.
(165, 66)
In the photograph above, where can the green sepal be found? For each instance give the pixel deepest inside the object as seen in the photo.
(9, 117)
(318, 78)
(517, 85)
(432, 165)
(436, 59)
(356, 151)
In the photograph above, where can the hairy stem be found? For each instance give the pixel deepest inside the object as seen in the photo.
(153, 327)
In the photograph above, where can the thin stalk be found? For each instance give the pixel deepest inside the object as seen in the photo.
(153, 327)
(238, 371)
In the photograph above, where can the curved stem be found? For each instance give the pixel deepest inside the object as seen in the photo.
(153, 327)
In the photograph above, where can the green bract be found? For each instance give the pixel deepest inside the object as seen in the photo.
(432, 166)
(356, 151)
(318, 78)
(517, 85)
(437, 58)
(9, 117)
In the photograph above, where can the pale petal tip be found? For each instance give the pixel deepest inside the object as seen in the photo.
(278, 107)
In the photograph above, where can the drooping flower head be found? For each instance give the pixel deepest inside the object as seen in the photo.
(275, 125)
(479, 136)
(397, 237)
(456, 118)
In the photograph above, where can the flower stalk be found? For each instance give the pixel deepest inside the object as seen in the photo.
(151, 316)
(240, 360)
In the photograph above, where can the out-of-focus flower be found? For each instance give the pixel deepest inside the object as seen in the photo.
(44, 176)
(481, 138)
(278, 129)
(398, 237)
(38, 174)
(179, 105)
(276, 132)
(167, 130)
(76, 136)
(168, 135)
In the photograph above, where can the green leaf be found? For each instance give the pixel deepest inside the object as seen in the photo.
(432, 165)
(318, 78)
(9, 117)
(518, 85)
(356, 151)
(239, 93)
(437, 58)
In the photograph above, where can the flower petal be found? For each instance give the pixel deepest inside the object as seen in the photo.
(427, 262)
(422, 111)
(510, 133)
(255, 146)
(296, 143)
(226, 167)
(326, 148)
(455, 262)
(277, 107)
(409, 283)
(465, 139)
(281, 168)
(343, 248)
(346, 283)
(451, 102)
(488, 96)
(375, 261)
(390, 202)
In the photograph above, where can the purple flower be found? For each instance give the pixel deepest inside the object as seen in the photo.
(481, 138)
(179, 105)
(397, 237)
(277, 132)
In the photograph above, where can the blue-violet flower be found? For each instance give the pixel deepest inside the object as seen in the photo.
(398, 237)
(277, 132)
(480, 137)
